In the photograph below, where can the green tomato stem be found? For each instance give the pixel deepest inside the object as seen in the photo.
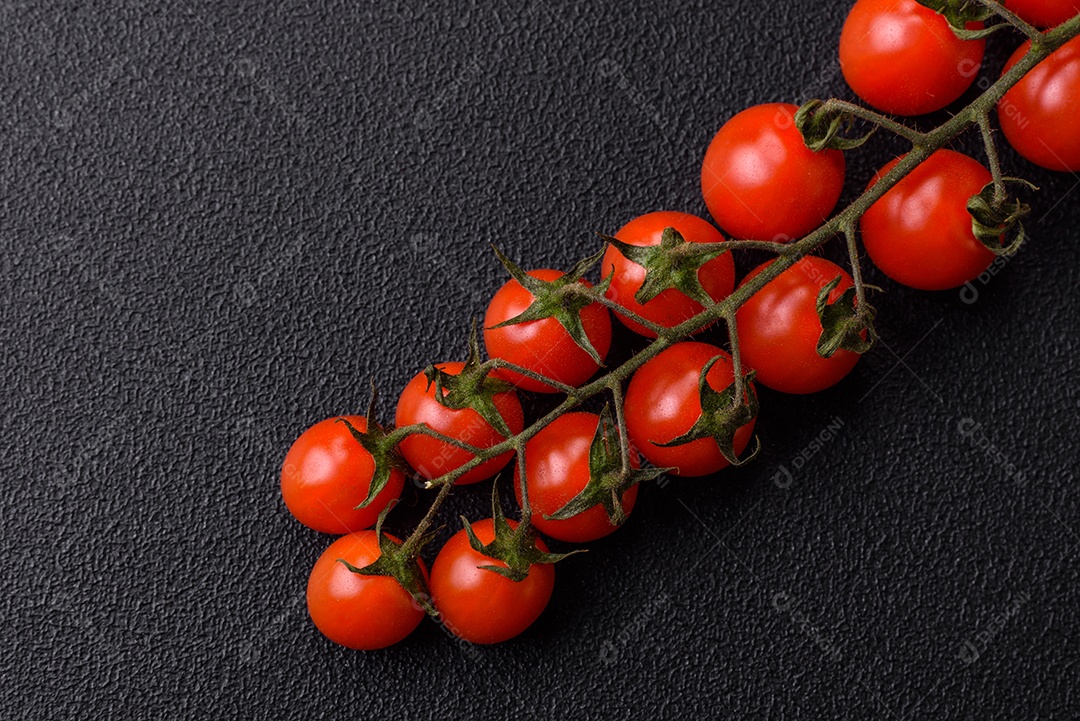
(999, 9)
(843, 223)
(736, 356)
(882, 121)
(856, 266)
(1000, 193)
(620, 420)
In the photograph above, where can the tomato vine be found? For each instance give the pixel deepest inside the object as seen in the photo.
(847, 321)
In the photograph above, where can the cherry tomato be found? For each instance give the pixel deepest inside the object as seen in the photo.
(663, 402)
(919, 233)
(557, 469)
(543, 346)
(779, 328)
(482, 606)
(327, 473)
(671, 306)
(903, 58)
(1040, 115)
(360, 612)
(1044, 13)
(431, 457)
(760, 180)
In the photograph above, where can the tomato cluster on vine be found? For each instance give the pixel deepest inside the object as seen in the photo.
(772, 174)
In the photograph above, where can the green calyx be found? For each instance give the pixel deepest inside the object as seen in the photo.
(516, 547)
(610, 475)
(845, 324)
(400, 561)
(473, 387)
(821, 124)
(562, 299)
(996, 221)
(381, 445)
(723, 413)
(674, 263)
(961, 12)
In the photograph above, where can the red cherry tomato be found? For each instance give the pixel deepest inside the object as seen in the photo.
(779, 329)
(671, 307)
(482, 606)
(903, 58)
(1040, 115)
(431, 457)
(919, 233)
(663, 402)
(557, 469)
(360, 612)
(760, 180)
(327, 473)
(1044, 13)
(543, 346)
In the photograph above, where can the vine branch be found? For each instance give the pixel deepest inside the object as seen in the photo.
(923, 144)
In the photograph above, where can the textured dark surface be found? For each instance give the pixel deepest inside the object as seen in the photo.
(217, 220)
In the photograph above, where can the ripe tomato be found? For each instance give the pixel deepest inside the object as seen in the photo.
(663, 402)
(482, 606)
(431, 457)
(779, 328)
(903, 58)
(919, 233)
(1044, 13)
(671, 307)
(361, 612)
(327, 473)
(1040, 115)
(543, 346)
(557, 469)
(760, 180)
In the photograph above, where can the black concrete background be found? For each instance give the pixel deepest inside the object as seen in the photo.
(218, 220)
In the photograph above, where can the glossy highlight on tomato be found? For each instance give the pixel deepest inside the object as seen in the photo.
(327, 473)
(557, 469)
(919, 233)
(671, 306)
(761, 182)
(432, 457)
(543, 346)
(482, 606)
(663, 402)
(1040, 115)
(359, 612)
(903, 58)
(779, 328)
